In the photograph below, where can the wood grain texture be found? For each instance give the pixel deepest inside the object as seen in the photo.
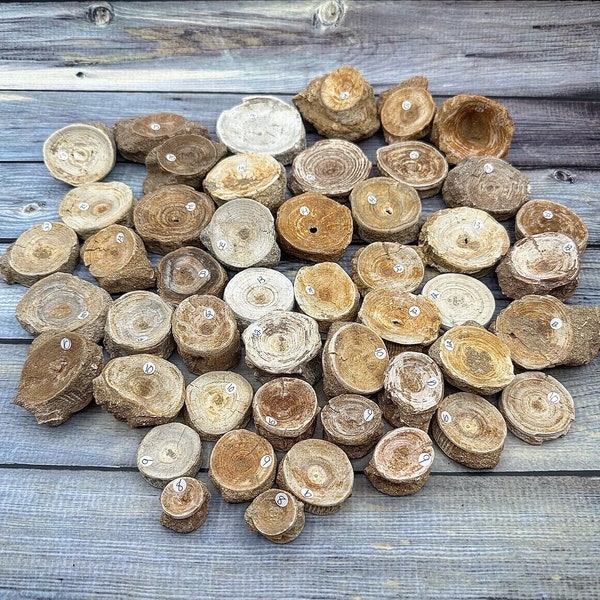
(549, 132)
(533, 548)
(278, 47)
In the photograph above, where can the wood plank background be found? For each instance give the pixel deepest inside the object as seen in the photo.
(76, 519)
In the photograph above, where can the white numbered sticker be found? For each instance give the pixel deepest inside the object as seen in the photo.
(547, 214)
(310, 177)
(368, 415)
(556, 323)
(398, 269)
(261, 280)
(446, 418)
(448, 344)
(120, 237)
(179, 485)
(431, 382)
(241, 168)
(553, 397)
(380, 353)
(414, 155)
(265, 461)
(371, 199)
(306, 493)
(221, 244)
(209, 313)
(477, 224)
(142, 338)
(425, 459)
(63, 155)
(190, 206)
(414, 311)
(171, 157)
(569, 247)
(406, 105)
(84, 314)
(65, 343)
(310, 290)
(149, 368)
(281, 499)
(304, 210)
(146, 461)
(83, 206)
(203, 273)
(46, 226)
(488, 168)
(230, 387)
(257, 332)
(434, 294)
(345, 95)
(154, 126)
(271, 421)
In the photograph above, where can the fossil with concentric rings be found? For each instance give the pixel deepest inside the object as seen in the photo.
(184, 504)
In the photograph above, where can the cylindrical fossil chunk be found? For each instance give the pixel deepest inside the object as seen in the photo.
(406, 110)
(93, 206)
(263, 124)
(171, 217)
(139, 323)
(460, 298)
(329, 167)
(254, 292)
(218, 402)
(463, 240)
(241, 234)
(56, 380)
(537, 407)
(136, 136)
(206, 334)
(416, 164)
(473, 359)
(487, 183)
(188, 271)
(401, 462)
(64, 302)
(470, 430)
(545, 263)
(183, 159)
(117, 259)
(319, 474)
(185, 504)
(276, 515)
(326, 293)
(401, 317)
(340, 104)
(284, 411)
(242, 465)
(353, 423)
(249, 175)
(168, 452)
(314, 227)
(543, 216)
(467, 125)
(387, 265)
(141, 389)
(413, 386)
(354, 360)
(41, 250)
(386, 210)
(80, 153)
(284, 343)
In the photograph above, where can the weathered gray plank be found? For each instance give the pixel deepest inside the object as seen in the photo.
(29, 195)
(548, 132)
(93, 438)
(79, 535)
(512, 48)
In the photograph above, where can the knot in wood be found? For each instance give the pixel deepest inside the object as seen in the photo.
(329, 14)
(101, 13)
(563, 175)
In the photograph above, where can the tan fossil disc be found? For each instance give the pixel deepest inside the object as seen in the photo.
(470, 430)
(185, 504)
(460, 298)
(473, 359)
(543, 216)
(545, 263)
(401, 462)
(387, 265)
(93, 206)
(487, 183)
(537, 407)
(80, 153)
(413, 163)
(329, 167)
(319, 474)
(472, 125)
(463, 240)
(385, 210)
